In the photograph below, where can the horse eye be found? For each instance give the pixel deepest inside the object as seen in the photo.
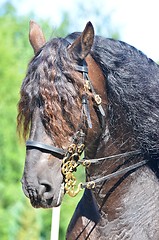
(69, 80)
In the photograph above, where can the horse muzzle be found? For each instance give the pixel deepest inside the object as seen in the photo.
(43, 195)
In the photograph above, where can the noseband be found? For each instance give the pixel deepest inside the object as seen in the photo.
(57, 152)
(72, 157)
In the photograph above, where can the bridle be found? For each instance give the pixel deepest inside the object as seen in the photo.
(71, 160)
(72, 156)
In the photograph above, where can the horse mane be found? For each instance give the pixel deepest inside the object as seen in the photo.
(132, 86)
(132, 82)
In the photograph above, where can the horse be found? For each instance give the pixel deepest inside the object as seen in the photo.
(93, 101)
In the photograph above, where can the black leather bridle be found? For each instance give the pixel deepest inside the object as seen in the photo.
(57, 152)
(61, 153)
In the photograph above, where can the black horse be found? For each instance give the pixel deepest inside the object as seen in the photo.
(101, 96)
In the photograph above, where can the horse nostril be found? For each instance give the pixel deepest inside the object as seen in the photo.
(45, 190)
(48, 188)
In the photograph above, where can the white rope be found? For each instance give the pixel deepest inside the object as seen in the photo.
(55, 223)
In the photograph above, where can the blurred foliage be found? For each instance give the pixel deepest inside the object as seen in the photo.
(18, 220)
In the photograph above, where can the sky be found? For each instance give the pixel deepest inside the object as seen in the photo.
(135, 20)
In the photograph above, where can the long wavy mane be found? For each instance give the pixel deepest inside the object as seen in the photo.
(132, 82)
(50, 85)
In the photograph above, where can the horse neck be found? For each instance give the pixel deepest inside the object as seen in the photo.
(112, 195)
(127, 203)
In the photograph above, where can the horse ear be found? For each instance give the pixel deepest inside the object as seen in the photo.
(82, 45)
(36, 36)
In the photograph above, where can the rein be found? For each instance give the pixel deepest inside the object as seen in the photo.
(71, 160)
(73, 157)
